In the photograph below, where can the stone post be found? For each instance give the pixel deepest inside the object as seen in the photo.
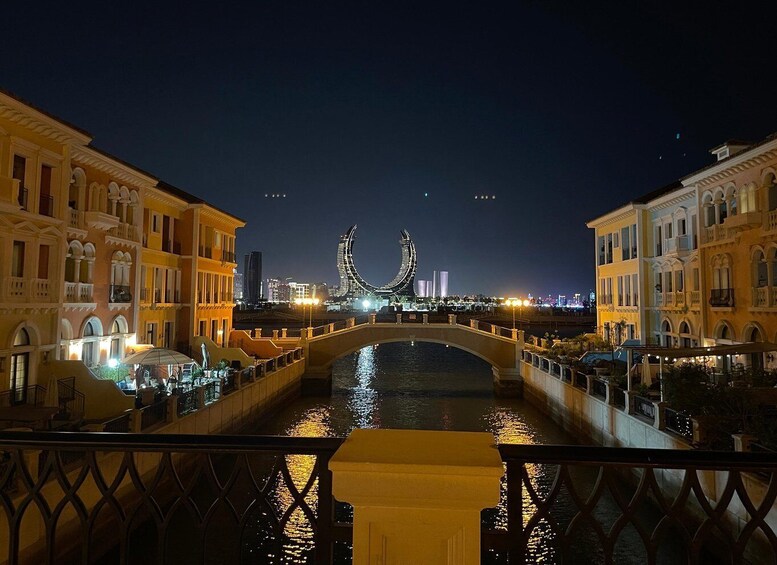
(659, 422)
(275, 334)
(350, 322)
(283, 333)
(493, 329)
(473, 324)
(610, 396)
(136, 421)
(425, 318)
(742, 442)
(257, 333)
(630, 394)
(399, 318)
(221, 388)
(238, 380)
(200, 397)
(172, 409)
(589, 384)
(452, 319)
(331, 328)
(514, 335)
(416, 495)
(372, 318)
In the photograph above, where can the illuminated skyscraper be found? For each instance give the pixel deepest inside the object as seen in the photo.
(443, 284)
(252, 277)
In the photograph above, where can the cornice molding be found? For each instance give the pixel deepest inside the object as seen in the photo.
(119, 171)
(725, 171)
(39, 123)
(160, 195)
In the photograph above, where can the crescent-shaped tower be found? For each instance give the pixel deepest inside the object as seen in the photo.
(352, 284)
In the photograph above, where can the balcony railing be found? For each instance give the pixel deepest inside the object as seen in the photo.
(676, 245)
(76, 219)
(761, 297)
(16, 287)
(695, 297)
(172, 247)
(46, 205)
(245, 490)
(145, 295)
(679, 298)
(658, 299)
(721, 297)
(205, 252)
(120, 293)
(125, 231)
(770, 222)
(79, 292)
(40, 290)
(227, 256)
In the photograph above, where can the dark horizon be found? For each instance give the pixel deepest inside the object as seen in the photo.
(396, 116)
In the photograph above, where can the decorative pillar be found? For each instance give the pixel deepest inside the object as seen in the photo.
(452, 319)
(372, 318)
(275, 334)
(425, 318)
(416, 495)
(399, 318)
(283, 333)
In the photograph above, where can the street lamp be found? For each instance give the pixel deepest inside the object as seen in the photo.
(524, 303)
(513, 302)
(307, 302)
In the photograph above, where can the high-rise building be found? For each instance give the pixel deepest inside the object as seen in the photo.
(238, 285)
(352, 285)
(434, 284)
(443, 284)
(421, 288)
(253, 277)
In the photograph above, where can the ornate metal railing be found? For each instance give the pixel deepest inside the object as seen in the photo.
(140, 498)
(33, 395)
(580, 504)
(174, 498)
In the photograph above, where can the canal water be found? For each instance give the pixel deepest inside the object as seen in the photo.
(434, 387)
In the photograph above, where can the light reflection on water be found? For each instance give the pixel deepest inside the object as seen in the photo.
(419, 386)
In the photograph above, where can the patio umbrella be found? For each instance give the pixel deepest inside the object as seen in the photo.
(157, 356)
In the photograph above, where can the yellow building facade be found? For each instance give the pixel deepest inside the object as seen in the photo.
(619, 273)
(737, 199)
(98, 255)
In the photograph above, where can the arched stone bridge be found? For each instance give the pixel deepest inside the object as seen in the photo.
(500, 347)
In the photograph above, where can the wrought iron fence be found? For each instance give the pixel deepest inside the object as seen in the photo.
(173, 498)
(618, 398)
(70, 400)
(599, 388)
(211, 393)
(581, 380)
(581, 504)
(170, 499)
(33, 395)
(154, 414)
(120, 424)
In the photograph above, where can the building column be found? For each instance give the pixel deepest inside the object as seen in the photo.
(417, 495)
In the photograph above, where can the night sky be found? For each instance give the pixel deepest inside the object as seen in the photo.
(355, 111)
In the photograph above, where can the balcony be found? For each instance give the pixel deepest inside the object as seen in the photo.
(677, 246)
(741, 222)
(120, 294)
(715, 233)
(125, 231)
(145, 295)
(770, 220)
(79, 293)
(46, 205)
(40, 290)
(228, 256)
(722, 297)
(695, 298)
(206, 252)
(658, 299)
(75, 219)
(15, 288)
(100, 220)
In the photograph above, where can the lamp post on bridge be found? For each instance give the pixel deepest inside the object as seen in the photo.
(513, 302)
(307, 302)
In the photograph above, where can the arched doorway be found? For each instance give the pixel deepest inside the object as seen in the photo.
(90, 353)
(754, 335)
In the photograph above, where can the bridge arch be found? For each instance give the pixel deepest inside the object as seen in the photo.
(501, 353)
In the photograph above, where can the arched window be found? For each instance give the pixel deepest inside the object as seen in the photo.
(770, 185)
(760, 270)
(91, 339)
(77, 190)
(20, 366)
(120, 277)
(666, 334)
(118, 329)
(709, 210)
